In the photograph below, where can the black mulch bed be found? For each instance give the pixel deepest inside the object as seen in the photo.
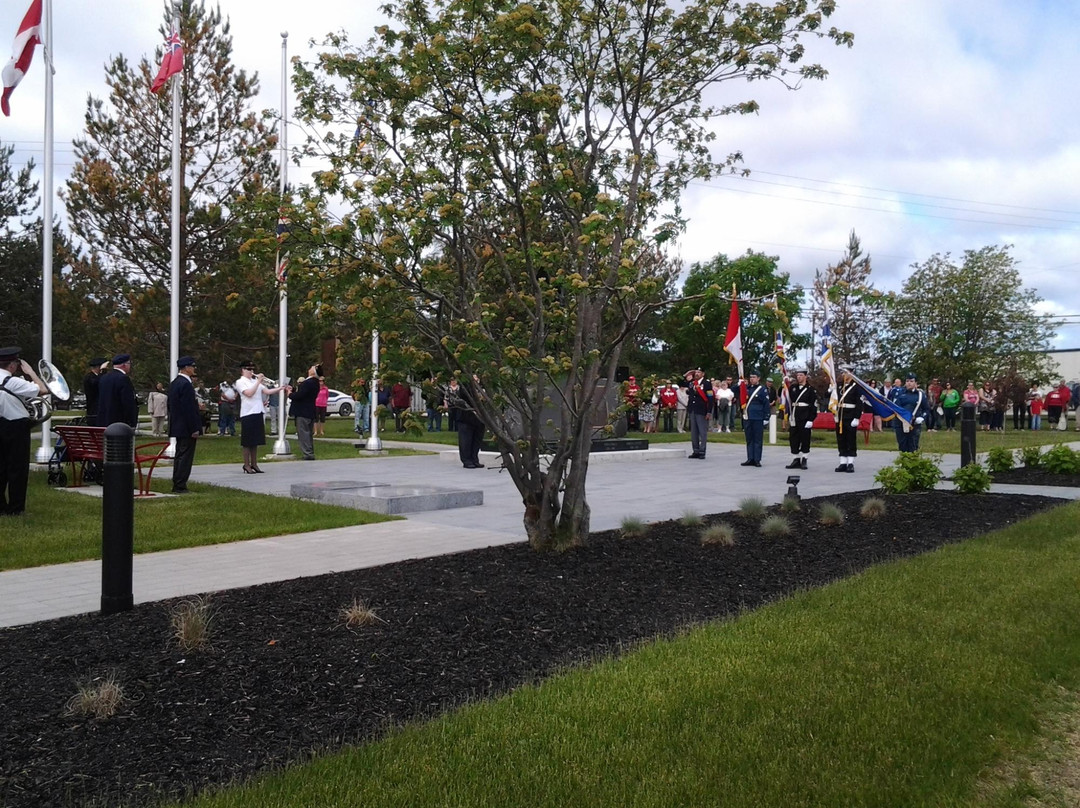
(1035, 476)
(285, 677)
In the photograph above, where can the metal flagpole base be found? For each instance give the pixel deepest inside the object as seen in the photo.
(43, 454)
(281, 447)
(373, 444)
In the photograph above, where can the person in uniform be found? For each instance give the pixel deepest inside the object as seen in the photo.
(470, 427)
(699, 394)
(90, 389)
(849, 408)
(116, 400)
(912, 399)
(15, 429)
(756, 413)
(185, 422)
(803, 400)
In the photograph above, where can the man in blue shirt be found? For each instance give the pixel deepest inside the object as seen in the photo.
(914, 400)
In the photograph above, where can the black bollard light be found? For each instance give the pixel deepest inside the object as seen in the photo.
(968, 430)
(117, 519)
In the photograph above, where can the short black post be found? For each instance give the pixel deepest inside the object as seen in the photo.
(968, 430)
(117, 519)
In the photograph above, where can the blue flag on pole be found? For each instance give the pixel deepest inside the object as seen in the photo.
(880, 404)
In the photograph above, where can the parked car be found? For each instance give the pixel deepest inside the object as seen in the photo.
(338, 403)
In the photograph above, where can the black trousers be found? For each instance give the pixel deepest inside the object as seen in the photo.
(469, 437)
(14, 464)
(847, 442)
(181, 469)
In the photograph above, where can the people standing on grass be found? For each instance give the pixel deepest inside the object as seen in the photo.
(950, 402)
(362, 413)
(157, 404)
(1036, 406)
(669, 404)
(401, 401)
(185, 422)
(303, 411)
(725, 403)
(321, 399)
(252, 389)
(90, 388)
(116, 395)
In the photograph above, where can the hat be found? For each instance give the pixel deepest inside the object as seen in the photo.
(98, 362)
(247, 364)
(910, 377)
(121, 359)
(185, 361)
(632, 379)
(750, 373)
(9, 354)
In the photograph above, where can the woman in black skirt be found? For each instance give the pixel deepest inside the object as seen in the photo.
(253, 394)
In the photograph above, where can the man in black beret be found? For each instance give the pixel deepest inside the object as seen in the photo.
(116, 395)
(185, 422)
(90, 384)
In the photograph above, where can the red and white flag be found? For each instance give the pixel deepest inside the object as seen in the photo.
(733, 340)
(171, 64)
(26, 40)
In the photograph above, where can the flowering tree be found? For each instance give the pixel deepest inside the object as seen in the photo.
(511, 173)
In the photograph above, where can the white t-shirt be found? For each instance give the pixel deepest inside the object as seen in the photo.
(253, 404)
(10, 408)
(725, 393)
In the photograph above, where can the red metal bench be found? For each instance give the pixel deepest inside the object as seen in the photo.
(826, 420)
(86, 444)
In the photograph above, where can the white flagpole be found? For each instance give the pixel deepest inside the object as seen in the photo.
(44, 452)
(177, 185)
(281, 445)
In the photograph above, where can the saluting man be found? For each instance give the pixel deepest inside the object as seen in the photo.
(698, 406)
(15, 429)
(912, 399)
(803, 412)
(755, 416)
(849, 408)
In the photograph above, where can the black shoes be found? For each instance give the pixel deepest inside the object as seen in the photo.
(473, 465)
(850, 468)
(841, 468)
(802, 464)
(748, 463)
(794, 464)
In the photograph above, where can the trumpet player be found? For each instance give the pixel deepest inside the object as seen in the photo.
(15, 429)
(252, 388)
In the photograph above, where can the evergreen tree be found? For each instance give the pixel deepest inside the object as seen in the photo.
(855, 307)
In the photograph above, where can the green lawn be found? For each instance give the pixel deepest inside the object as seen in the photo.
(933, 681)
(61, 526)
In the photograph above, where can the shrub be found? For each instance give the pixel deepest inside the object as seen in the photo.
(690, 519)
(358, 614)
(999, 459)
(722, 534)
(831, 514)
(752, 507)
(632, 527)
(791, 504)
(872, 508)
(1061, 460)
(911, 471)
(776, 527)
(972, 479)
(100, 697)
(1031, 456)
(191, 621)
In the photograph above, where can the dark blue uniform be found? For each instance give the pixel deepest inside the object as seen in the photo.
(755, 416)
(915, 402)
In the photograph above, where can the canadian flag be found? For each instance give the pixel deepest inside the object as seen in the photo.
(733, 339)
(171, 64)
(26, 40)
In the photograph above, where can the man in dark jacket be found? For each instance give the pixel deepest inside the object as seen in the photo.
(116, 395)
(470, 428)
(303, 410)
(185, 422)
(803, 412)
(90, 389)
(756, 412)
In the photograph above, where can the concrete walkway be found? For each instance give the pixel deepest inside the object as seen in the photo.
(653, 486)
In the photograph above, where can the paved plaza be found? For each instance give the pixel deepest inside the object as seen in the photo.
(655, 485)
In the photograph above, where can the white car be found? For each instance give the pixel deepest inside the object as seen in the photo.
(338, 403)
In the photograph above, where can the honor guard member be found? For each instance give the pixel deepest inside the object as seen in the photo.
(185, 422)
(914, 400)
(698, 406)
(117, 402)
(15, 429)
(803, 400)
(90, 388)
(849, 408)
(755, 415)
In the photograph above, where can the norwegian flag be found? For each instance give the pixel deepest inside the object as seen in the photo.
(26, 40)
(171, 64)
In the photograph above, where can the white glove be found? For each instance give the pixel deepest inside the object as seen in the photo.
(765, 422)
(809, 425)
(919, 420)
(854, 421)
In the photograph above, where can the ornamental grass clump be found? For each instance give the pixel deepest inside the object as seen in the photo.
(775, 527)
(752, 507)
(721, 534)
(873, 508)
(100, 697)
(191, 622)
(690, 519)
(831, 514)
(790, 504)
(632, 527)
(358, 614)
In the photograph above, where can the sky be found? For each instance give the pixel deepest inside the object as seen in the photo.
(948, 126)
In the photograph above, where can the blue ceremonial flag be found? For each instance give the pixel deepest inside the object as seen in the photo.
(825, 359)
(881, 405)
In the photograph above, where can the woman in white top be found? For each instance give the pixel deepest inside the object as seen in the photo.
(252, 390)
(724, 398)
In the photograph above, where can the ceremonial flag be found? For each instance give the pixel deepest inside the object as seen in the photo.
(781, 358)
(283, 267)
(880, 404)
(22, 53)
(172, 62)
(825, 360)
(733, 339)
(284, 224)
